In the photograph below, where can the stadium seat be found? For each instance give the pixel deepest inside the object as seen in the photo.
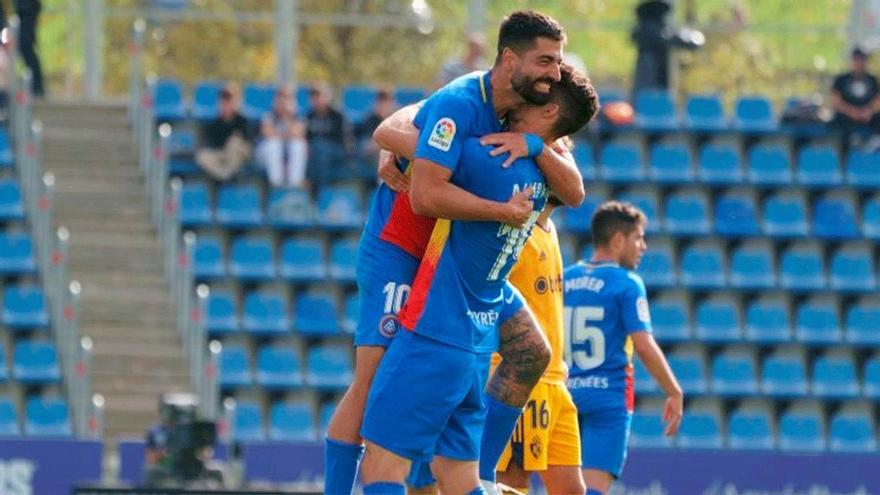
(182, 166)
(339, 207)
(670, 317)
(357, 101)
(658, 268)
(752, 266)
(206, 100)
(754, 115)
(168, 100)
(834, 376)
(720, 164)
(8, 418)
(852, 429)
(252, 259)
(768, 320)
(863, 322)
(819, 166)
(316, 314)
(584, 157)
(327, 411)
(265, 313)
(784, 374)
(4, 366)
(704, 113)
(182, 142)
(195, 205)
(655, 111)
(863, 170)
(292, 422)
(785, 215)
(736, 214)
(278, 367)
(735, 373)
(802, 428)
(834, 217)
(871, 388)
(622, 162)
(644, 382)
(16, 255)
(24, 308)
(247, 424)
(208, 258)
(750, 427)
(47, 417)
(351, 313)
(221, 313)
(717, 320)
(239, 206)
(257, 100)
(647, 427)
(6, 154)
(343, 254)
(290, 209)
(566, 245)
(852, 269)
(303, 260)
(406, 95)
(671, 163)
(701, 427)
(689, 367)
(802, 268)
(577, 220)
(703, 266)
(35, 362)
(647, 200)
(329, 366)
(817, 322)
(769, 165)
(235, 367)
(871, 218)
(303, 99)
(11, 205)
(687, 213)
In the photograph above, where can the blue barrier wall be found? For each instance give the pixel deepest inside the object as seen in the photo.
(37, 467)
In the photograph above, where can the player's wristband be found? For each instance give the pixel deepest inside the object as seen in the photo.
(535, 144)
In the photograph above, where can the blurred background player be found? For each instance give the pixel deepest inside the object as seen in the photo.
(606, 317)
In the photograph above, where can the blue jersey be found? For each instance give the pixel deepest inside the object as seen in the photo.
(457, 297)
(604, 304)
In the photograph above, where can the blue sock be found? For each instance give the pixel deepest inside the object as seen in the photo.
(384, 488)
(477, 491)
(340, 465)
(500, 421)
(593, 491)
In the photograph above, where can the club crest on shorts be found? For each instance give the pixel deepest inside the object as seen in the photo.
(442, 134)
(388, 326)
(535, 447)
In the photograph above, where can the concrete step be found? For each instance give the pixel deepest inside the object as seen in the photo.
(87, 226)
(124, 176)
(135, 349)
(130, 187)
(129, 367)
(90, 318)
(113, 337)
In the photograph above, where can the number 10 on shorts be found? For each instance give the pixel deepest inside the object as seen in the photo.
(395, 296)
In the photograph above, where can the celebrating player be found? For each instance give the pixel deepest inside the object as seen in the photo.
(607, 315)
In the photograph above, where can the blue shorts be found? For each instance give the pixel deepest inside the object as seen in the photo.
(427, 399)
(604, 436)
(420, 475)
(384, 277)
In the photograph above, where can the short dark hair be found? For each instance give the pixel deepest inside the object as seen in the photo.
(612, 217)
(521, 28)
(577, 100)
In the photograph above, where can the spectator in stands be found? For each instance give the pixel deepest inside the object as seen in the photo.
(329, 136)
(472, 60)
(283, 150)
(855, 98)
(225, 145)
(367, 151)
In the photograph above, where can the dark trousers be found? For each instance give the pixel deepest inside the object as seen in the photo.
(28, 13)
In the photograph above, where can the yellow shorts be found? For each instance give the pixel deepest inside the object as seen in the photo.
(547, 432)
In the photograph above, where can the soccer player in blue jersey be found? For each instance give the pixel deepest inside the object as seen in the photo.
(427, 401)
(606, 317)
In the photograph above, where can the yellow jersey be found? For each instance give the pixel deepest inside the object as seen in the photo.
(538, 276)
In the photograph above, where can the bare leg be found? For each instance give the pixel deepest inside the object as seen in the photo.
(345, 426)
(564, 480)
(455, 477)
(598, 480)
(383, 465)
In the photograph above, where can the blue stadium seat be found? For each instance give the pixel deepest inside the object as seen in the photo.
(195, 204)
(802, 428)
(182, 166)
(206, 100)
(577, 220)
(292, 422)
(406, 95)
(24, 308)
(785, 215)
(704, 113)
(863, 322)
(644, 382)
(327, 411)
(658, 267)
(701, 428)
(566, 245)
(750, 427)
(168, 100)
(852, 430)
(752, 266)
(303, 260)
(735, 373)
(671, 163)
(819, 166)
(47, 417)
(316, 314)
(655, 111)
(35, 363)
(4, 366)
(818, 322)
(834, 376)
(303, 99)
(784, 374)
(863, 170)
(648, 200)
(703, 266)
(221, 313)
(720, 164)
(754, 115)
(329, 366)
(235, 367)
(6, 154)
(802, 268)
(768, 320)
(351, 313)
(11, 205)
(8, 418)
(208, 258)
(585, 159)
(689, 366)
(340, 207)
(852, 269)
(247, 424)
(343, 254)
(257, 100)
(278, 367)
(182, 142)
(265, 313)
(687, 213)
(834, 217)
(871, 218)
(871, 388)
(736, 214)
(239, 206)
(670, 318)
(647, 427)
(622, 162)
(16, 255)
(357, 101)
(717, 319)
(290, 209)
(769, 165)
(252, 258)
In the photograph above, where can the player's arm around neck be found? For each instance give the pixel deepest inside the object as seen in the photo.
(562, 174)
(655, 362)
(397, 133)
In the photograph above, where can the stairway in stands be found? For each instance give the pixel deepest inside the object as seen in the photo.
(116, 255)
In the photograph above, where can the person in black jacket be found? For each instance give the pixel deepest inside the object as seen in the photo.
(855, 98)
(225, 145)
(329, 136)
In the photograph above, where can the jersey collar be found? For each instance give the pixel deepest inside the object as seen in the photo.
(601, 264)
(486, 94)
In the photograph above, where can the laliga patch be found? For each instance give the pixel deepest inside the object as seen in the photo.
(642, 310)
(442, 134)
(388, 326)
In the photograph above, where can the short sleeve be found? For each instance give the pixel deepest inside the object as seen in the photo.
(839, 84)
(513, 302)
(444, 122)
(634, 305)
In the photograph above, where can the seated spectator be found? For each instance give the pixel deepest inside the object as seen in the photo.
(329, 136)
(367, 151)
(283, 149)
(855, 98)
(224, 141)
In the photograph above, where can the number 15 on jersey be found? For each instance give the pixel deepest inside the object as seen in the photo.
(585, 342)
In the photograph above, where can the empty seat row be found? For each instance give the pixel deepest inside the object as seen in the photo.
(292, 420)
(655, 111)
(23, 308)
(43, 417)
(11, 201)
(17, 255)
(267, 312)
(33, 363)
(327, 366)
